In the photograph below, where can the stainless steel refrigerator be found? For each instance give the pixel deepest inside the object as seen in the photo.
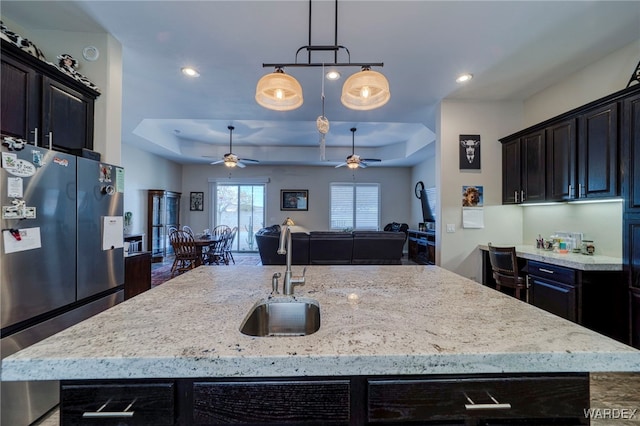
(54, 270)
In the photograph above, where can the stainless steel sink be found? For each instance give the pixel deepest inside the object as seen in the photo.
(284, 316)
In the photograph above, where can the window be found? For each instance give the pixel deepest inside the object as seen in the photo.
(241, 205)
(355, 206)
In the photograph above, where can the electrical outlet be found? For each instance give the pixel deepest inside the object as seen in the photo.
(451, 227)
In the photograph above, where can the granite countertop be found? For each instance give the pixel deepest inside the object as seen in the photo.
(578, 261)
(403, 320)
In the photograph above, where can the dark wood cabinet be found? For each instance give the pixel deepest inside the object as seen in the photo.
(272, 401)
(523, 168)
(43, 105)
(561, 160)
(67, 117)
(598, 162)
(422, 246)
(117, 403)
(634, 307)
(137, 273)
(554, 289)
(347, 400)
(163, 210)
(631, 153)
(478, 400)
(19, 115)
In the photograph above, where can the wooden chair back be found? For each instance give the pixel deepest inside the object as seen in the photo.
(504, 264)
(185, 250)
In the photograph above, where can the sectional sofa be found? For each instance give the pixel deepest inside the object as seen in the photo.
(333, 248)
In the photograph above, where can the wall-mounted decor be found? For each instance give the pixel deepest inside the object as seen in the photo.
(196, 202)
(294, 199)
(470, 152)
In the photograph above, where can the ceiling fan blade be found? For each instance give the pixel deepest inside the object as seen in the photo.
(341, 164)
(217, 162)
(362, 165)
(239, 164)
(248, 160)
(371, 160)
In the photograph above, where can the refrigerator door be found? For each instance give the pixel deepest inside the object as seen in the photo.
(99, 195)
(40, 279)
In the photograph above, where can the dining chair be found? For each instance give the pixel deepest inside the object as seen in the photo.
(228, 246)
(187, 228)
(185, 251)
(504, 264)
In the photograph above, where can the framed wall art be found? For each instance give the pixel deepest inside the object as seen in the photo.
(196, 202)
(294, 199)
(469, 152)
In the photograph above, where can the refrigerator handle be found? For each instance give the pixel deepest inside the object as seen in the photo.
(50, 140)
(35, 136)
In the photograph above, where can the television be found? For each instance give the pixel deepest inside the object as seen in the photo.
(428, 203)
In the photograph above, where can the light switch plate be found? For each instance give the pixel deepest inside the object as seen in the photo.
(451, 227)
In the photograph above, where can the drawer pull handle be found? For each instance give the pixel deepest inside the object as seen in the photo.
(548, 271)
(109, 414)
(495, 406)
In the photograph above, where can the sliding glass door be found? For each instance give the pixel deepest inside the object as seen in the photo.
(241, 205)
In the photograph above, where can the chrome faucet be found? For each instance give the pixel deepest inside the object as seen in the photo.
(286, 248)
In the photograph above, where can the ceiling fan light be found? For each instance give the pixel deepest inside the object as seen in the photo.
(365, 90)
(230, 163)
(352, 165)
(279, 92)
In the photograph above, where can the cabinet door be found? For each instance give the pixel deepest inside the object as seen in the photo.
(631, 153)
(511, 181)
(561, 161)
(19, 115)
(67, 117)
(634, 296)
(507, 400)
(598, 153)
(278, 401)
(117, 404)
(533, 167)
(554, 297)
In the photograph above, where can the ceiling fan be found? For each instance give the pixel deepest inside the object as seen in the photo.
(230, 159)
(354, 161)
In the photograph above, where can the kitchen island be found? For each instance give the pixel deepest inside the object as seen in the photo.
(386, 321)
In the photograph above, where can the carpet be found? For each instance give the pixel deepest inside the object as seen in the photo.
(161, 274)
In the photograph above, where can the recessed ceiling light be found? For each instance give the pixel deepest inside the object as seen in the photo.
(464, 78)
(332, 75)
(191, 72)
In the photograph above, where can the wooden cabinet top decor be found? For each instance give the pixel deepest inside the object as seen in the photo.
(44, 106)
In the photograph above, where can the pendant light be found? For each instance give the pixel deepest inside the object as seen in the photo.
(279, 91)
(365, 90)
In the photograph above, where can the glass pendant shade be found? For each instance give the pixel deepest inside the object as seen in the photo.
(352, 165)
(365, 90)
(279, 92)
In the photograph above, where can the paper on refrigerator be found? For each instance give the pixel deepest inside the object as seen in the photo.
(112, 232)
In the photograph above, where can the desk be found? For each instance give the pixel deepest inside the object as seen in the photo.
(589, 290)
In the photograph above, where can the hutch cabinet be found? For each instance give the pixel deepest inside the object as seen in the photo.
(163, 213)
(43, 105)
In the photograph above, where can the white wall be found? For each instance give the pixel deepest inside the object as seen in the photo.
(396, 190)
(144, 171)
(604, 77)
(502, 224)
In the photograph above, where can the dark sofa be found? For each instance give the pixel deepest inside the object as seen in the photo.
(333, 248)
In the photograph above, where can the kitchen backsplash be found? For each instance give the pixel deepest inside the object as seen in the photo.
(600, 222)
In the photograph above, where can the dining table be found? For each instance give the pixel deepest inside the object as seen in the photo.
(206, 241)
